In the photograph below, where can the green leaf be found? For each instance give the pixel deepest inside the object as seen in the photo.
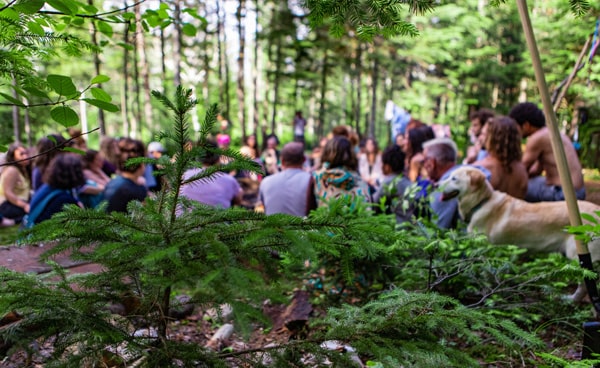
(73, 150)
(102, 104)
(35, 28)
(105, 28)
(126, 46)
(28, 6)
(10, 13)
(35, 91)
(163, 14)
(590, 218)
(12, 100)
(100, 94)
(67, 7)
(61, 84)
(65, 116)
(189, 30)
(100, 78)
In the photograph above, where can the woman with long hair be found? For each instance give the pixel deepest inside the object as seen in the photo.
(15, 184)
(502, 141)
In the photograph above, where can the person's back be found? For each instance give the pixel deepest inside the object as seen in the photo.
(289, 191)
(126, 187)
(502, 141)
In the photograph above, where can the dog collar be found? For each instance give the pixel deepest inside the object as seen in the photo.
(469, 215)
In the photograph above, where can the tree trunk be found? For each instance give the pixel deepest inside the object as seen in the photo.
(15, 114)
(220, 56)
(97, 63)
(358, 112)
(125, 93)
(241, 93)
(177, 42)
(136, 111)
(163, 63)
(226, 70)
(144, 70)
(324, 71)
(255, 71)
(374, 79)
(278, 61)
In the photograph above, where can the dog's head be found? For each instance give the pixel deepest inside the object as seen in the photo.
(463, 181)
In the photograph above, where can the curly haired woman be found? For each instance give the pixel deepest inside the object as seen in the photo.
(502, 140)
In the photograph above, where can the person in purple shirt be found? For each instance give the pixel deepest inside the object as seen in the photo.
(221, 190)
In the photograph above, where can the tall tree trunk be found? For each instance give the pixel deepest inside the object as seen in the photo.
(136, 111)
(255, 71)
(278, 61)
(374, 79)
(144, 70)
(227, 74)
(177, 42)
(322, 102)
(97, 64)
(15, 114)
(125, 93)
(221, 58)
(163, 63)
(358, 112)
(241, 93)
(27, 125)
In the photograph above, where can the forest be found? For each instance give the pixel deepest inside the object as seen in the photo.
(263, 60)
(380, 295)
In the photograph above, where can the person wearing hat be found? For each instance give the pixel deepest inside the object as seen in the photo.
(153, 181)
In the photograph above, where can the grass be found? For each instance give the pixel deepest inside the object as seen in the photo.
(8, 235)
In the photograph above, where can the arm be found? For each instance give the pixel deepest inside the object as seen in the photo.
(531, 154)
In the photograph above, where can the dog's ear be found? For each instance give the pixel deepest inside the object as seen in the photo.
(477, 178)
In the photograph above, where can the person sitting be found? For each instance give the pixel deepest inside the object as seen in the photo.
(538, 157)
(478, 119)
(62, 178)
(92, 192)
(15, 184)
(502, 142)
(439, 161)
(154, 181)
(370, 165)
(46, 149)
(338, 176)
(394, 184)
(271, 156)
(129, 184)
(221, 191)
(291, 190)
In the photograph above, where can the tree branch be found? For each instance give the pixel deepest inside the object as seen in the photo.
(96, 16)
(8, 5)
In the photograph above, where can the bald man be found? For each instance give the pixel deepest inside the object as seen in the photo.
(291, 190)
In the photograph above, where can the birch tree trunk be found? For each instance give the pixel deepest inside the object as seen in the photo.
(322, 94)
(177, 42)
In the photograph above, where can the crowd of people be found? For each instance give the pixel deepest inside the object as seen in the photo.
(400, 179)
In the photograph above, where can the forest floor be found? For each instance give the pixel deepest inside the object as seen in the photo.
(201, 325)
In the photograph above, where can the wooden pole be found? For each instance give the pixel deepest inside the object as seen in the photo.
(591, 329)
(552, 123)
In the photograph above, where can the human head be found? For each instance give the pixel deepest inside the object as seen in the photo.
(393, 159)
(223, 141)
(65, 172)
(130, 148)
(371, 146)
(338, 152)
(251, 141)
(415, 138)
(210, 156)
(478, 119)
(46, 148)
(17, 152)
(77, 140)
(272, 141)
(340, 130)
(156, 149)
(529, 117)
(109, 146)
(440, 155)
(292, 155)
(91, 158)
(503, 140)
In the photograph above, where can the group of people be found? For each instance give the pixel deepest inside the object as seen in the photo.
(402, 179)
(399, 179)
(36, 183)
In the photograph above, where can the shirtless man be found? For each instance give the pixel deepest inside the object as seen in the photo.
(539, 157)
